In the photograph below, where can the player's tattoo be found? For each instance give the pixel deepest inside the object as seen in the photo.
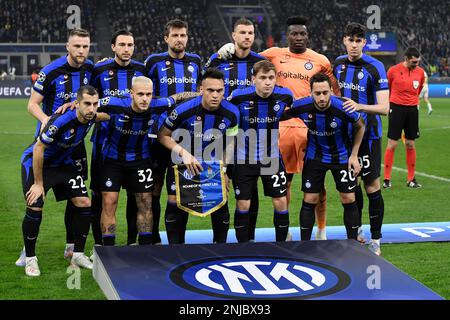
(112, 229)
(144, 215)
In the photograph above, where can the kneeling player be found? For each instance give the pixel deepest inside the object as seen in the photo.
(330, 147)
(47, 164)
(257, 153)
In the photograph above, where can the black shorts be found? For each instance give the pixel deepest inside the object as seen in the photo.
(161, 161)
(369, 157)
(403, 118)
(96, 168)
(135, 176)
(245, 178)
(65, 181)
(313, 177)
(79, 158)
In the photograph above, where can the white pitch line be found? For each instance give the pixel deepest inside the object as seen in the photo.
(426, 175)
(16, 133)
(439, 128)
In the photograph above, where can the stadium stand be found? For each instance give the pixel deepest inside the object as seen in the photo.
(41, 20)
(146, 20)
(421, 23)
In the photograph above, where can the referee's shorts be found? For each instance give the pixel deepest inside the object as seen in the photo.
(403, 118)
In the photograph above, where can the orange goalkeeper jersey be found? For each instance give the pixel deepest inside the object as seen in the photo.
(295, 70)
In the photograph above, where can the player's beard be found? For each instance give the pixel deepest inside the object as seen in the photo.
(178, 49)
(78, 59)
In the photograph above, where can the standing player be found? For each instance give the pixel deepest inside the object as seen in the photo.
(406, 80)
(295, 66)
(208, 119)
(113, 78)
(172, 72)
(47, 163)
(257, 152)
(57, 84)
(364, 86)
(424, 94)
(127, 159)
(238, 74)
(330, 147)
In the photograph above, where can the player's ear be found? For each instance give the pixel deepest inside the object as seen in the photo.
(253, 79)
(112, 47)
(166, 39)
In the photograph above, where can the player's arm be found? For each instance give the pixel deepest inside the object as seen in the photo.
(34, 107)
(381, 108)
(358, 134)
(37, 189)
(183, 96)
(165, 138)
(101, 116)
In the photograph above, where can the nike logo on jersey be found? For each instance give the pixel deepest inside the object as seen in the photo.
(340, 71)
(148, 186)
(107, 79)
(229, 68)
(351, 188)
(281, 191)
(248, 108)
(84, 191)
(62, 82)
(70, 137)
(365, 173)
(124, 120)
(165, 69)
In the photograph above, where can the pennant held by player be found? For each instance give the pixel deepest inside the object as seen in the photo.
(202, 194)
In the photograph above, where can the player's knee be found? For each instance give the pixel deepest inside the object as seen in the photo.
(409, 144)
(373, 186)
(243, 205)
(110, 200)
(347, 198)
(81, 202)
(280, 204)
(311, 198)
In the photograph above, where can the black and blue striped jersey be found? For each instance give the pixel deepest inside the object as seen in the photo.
(58, 83)
(127, 138)
(112, 80)
(238, 71)
(171, 76)
(258, 123)
(62, 134)
(360, 80)
(202, 126)
(329, 140)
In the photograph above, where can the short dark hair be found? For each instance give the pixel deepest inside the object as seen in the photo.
(355, 29)
(412, 52)
(213, 73)
(319, 77)
(89, 90)
(79, 32)
(242, 21)
(175, 23)
(297, 20)
(122, 32)
(264, 66)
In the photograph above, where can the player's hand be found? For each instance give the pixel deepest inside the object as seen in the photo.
(354, 166)
(193, 166)
(34, 193)
(44, 124)
(350, 106)
(66, 106)
(226, 51)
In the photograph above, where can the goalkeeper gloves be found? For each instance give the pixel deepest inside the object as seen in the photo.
(226, 51)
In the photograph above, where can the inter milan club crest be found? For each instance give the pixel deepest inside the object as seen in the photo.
(72, 131)
(167, 63)
(191, 69)
(222, 126)
(111, 73)
(343, 67)
(310, 116)
(309, 65)
(66, 76)
(199, 118)
(360, 75)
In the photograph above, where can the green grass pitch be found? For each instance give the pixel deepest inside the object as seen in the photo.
(426, 262)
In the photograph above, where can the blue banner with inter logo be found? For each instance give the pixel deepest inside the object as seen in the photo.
(296, 270)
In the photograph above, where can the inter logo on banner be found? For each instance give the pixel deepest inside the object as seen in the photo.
(201, 194)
